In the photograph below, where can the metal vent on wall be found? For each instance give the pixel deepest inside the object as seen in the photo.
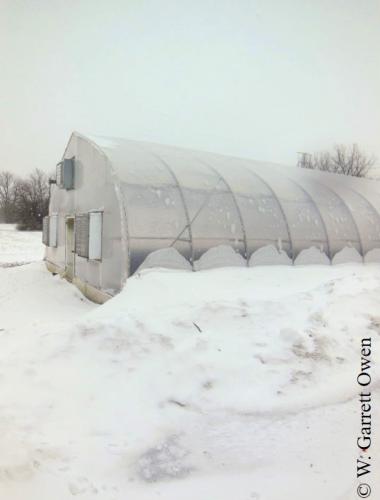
(82, 234)
(65, 174)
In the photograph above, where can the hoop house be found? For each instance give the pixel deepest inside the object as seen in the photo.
(117, 201)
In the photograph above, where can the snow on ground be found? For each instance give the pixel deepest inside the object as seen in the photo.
(223, 384)
(19, 246)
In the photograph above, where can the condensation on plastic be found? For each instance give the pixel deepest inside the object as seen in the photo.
(194, 201)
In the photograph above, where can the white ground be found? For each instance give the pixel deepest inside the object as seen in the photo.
(233, 384)
(19, 246)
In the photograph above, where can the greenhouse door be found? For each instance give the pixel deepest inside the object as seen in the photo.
(70, 249)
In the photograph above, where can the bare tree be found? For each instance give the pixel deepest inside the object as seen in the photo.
(342, 160)
(32, 200)
(8, 195)
(323, 161)
(351, 161)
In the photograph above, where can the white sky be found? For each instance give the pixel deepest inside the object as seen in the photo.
(256, 78)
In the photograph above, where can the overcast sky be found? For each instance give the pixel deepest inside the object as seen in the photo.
(254, 78)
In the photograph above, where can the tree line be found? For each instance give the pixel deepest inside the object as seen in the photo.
(24, 201)
(345, 160)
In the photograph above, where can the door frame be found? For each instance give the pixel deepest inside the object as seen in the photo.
(70, 221)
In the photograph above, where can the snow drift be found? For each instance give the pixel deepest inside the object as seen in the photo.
(170, 387)
(186, 385)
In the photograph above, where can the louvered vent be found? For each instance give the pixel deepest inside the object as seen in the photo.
(81, 235)
(65, 174)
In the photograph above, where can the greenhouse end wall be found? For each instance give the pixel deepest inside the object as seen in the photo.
(94, 190)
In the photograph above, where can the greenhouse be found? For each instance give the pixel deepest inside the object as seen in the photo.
(118, 206)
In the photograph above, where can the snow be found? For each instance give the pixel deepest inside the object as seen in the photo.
(347, 254)
(168, 258)
(19, 246)
(269, 255)
(311, 256)
(204, 385)
(372, 256)
(219, 256)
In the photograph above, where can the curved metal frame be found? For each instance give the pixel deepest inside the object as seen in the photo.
(368, 202)
(318, 211)
(254, 174)
(176, 182)
(222, 178)
(350, 213)
(275, 196)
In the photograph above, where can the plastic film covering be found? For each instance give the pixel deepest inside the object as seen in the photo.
(258, 205)
(195, 201)
(156, 211)
(340, 226)
(303, 217)
(213, 215)
(363, 206)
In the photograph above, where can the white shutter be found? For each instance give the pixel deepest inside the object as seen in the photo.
(45, 230)
(53, 230)
(95, 236)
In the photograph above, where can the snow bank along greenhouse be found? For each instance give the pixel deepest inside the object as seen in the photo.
(118, 206)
